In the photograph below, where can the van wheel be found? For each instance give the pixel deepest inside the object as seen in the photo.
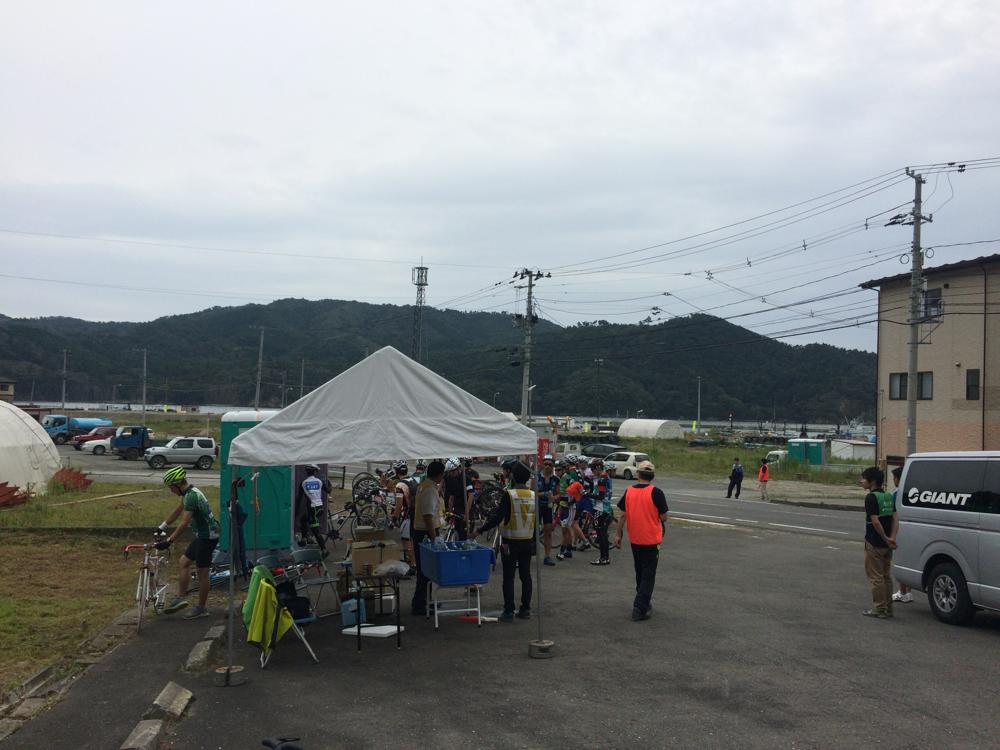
(948, 595)
(627, 474)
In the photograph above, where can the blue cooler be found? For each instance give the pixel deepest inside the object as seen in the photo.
(457, 563)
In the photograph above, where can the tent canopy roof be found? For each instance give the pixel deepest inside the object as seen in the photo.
(28, 458)
(385, 407)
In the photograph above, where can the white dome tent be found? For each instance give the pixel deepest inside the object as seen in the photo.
(663, 429)
(28, 457)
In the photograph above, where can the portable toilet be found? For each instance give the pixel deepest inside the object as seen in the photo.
(807, 451)
(269, 525)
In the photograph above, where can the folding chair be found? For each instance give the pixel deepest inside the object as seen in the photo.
(267, 618)
(311, 559)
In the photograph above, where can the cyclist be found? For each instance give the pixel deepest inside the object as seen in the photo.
(456, 496)
(309, 502)
(586, 504)
(547, 487)
(403, 489)
(198, 514)
(603, 512)
(567, 504)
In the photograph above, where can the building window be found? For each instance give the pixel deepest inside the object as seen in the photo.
(972, 385)
(897, 386)
(925, 386)
(933, 305)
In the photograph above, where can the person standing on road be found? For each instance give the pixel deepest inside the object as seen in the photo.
(881, 525)
(309, 502)
(197, 513)
(456, 496)
(763, 475)
(735, 478)
(516, 517)
(603, 512)
(426, 521)
(644, 514)
(547, 487)
(904, 595)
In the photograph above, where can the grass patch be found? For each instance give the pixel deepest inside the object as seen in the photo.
(134, 510)
(713, 462)
(56, 590)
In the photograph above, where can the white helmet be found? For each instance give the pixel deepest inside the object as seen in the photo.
(451, 464)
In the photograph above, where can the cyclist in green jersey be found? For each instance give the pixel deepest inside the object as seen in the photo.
(198, 515)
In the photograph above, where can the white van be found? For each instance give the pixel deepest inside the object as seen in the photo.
(949, 532)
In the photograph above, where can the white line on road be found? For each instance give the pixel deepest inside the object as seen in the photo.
(745, 520)
(808, 528)
(700, 515)
(708, 523)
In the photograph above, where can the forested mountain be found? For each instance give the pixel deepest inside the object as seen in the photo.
(211, 357)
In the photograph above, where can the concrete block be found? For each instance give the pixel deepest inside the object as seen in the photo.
(145, 736)
(28, 708)
(215, 633)
(8, 727)
(170, 703)
(199, 657)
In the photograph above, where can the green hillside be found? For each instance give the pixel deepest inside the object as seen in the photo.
(211, 356)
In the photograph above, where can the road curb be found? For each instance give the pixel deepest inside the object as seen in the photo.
(820, 506)
(145, 736)
(171, 703)
(204, 650)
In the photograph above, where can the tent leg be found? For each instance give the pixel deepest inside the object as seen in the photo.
(540, 648)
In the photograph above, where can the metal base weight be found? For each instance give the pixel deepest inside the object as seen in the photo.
(540, 649)
(229, 676)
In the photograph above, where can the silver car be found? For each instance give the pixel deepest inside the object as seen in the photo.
(197, 451)
(949, 532)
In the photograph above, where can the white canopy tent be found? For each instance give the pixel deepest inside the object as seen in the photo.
(385, 407)
(28, 458)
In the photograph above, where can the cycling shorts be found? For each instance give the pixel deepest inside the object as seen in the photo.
(567, 515)
(546, 513)
(404, 530)
(200, 551)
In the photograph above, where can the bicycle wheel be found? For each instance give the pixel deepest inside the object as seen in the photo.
(490, 498)
(363, 487)
(371, 514)
(141, 597)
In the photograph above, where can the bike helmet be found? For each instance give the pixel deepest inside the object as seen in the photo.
(559, 463)
(451, 464)
(400, 467)
(467, 462)
(508, 465)
(312, 467)
(547, 457)
(421, 465)
(175, 475)
(570, 458)
(597, 462)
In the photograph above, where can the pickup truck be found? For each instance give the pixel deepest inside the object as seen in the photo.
(62, 429)
(197, 451)
(131, 442)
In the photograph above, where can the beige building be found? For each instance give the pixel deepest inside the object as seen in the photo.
(7, 390)
(958, 386)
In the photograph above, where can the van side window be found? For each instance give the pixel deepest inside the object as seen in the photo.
(991, 497)
(945, 485)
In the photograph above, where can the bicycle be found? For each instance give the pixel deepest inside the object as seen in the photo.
(149, 590)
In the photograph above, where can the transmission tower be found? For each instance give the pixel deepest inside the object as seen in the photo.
(420, 281)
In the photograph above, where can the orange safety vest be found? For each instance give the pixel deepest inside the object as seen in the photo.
(641, 516)
(762, 474)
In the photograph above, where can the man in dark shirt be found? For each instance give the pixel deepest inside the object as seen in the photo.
(644, 513)
(881, 525)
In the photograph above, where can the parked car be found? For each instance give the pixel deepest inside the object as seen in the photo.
(600, 450)
(702, 442)
(197, 451)
(98, 433)
(949, 532)
(776, 457)
(97, 447)
(623, 463)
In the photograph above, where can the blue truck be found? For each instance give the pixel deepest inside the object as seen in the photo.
(62, 428)
(132, 441)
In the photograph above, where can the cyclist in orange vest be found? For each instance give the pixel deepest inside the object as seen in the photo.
(644, 514)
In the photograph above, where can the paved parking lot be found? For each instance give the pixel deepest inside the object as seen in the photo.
(756, 642)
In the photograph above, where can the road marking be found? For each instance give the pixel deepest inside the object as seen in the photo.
(708, 523)
(699, 515)
(745, 520)
(808, 528)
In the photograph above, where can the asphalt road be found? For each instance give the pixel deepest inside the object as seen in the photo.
(756, 641)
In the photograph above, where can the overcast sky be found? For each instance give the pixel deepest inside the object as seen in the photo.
(483, 137)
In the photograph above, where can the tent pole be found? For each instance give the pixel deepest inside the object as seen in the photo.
(256, 505)
(541, 648)
(229, 680)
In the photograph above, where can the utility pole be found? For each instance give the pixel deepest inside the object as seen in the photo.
(698, 418)
(260, 365)
(528, 322)
(31, 398)
(65, 354)
(599, 361)
(916, 295)
(143, 387)
(419, 279)
(302, 380)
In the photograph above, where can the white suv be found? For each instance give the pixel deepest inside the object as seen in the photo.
(623, 463)
(197, 451)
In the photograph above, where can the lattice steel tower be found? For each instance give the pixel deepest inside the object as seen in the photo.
(420, 281)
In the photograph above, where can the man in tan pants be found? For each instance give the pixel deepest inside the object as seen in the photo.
(881, 525)
(763, 474)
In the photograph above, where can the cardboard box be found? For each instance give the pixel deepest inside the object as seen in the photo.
(366, 556)
(368, 533)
